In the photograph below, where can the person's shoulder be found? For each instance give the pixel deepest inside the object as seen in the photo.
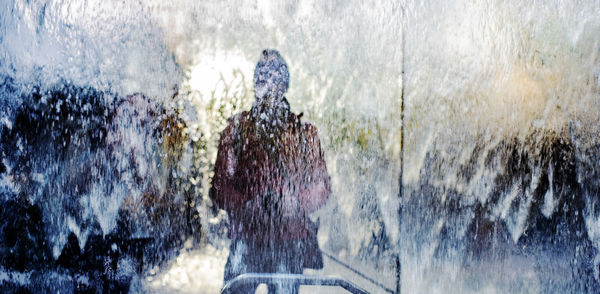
(233, 123)
(238, 118)
(309, 129)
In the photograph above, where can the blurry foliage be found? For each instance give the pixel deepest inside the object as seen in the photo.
(358, 148)
(209, 115)
(56, 151)
(518, 196)
(172, 206)
(367, 135)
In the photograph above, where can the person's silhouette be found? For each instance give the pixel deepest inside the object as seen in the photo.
(269, 174)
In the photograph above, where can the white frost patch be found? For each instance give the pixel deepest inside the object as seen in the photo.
(15, 277)
(125, 267)
(38, 177)
(72, 224)
(106, 205)
(6, 180)
(7, 122)
(503, 209)
(592, 223)
(516, 220)
(549, 203)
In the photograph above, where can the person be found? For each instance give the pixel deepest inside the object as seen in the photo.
(268, 176)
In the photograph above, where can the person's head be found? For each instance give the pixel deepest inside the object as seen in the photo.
(271, 76)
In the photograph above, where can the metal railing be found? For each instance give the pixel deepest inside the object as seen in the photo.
(309, 280)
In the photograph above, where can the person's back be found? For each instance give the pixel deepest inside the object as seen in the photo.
(269, 174)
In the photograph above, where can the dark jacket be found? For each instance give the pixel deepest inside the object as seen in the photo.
(269, 181)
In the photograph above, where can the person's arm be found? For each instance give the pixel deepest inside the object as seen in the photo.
(223, 191)
(318, 186)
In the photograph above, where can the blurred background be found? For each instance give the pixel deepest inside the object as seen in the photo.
(111, 114)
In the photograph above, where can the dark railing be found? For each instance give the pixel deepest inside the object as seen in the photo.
(269, 279)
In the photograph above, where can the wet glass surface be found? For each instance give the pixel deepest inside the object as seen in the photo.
(112, 111)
